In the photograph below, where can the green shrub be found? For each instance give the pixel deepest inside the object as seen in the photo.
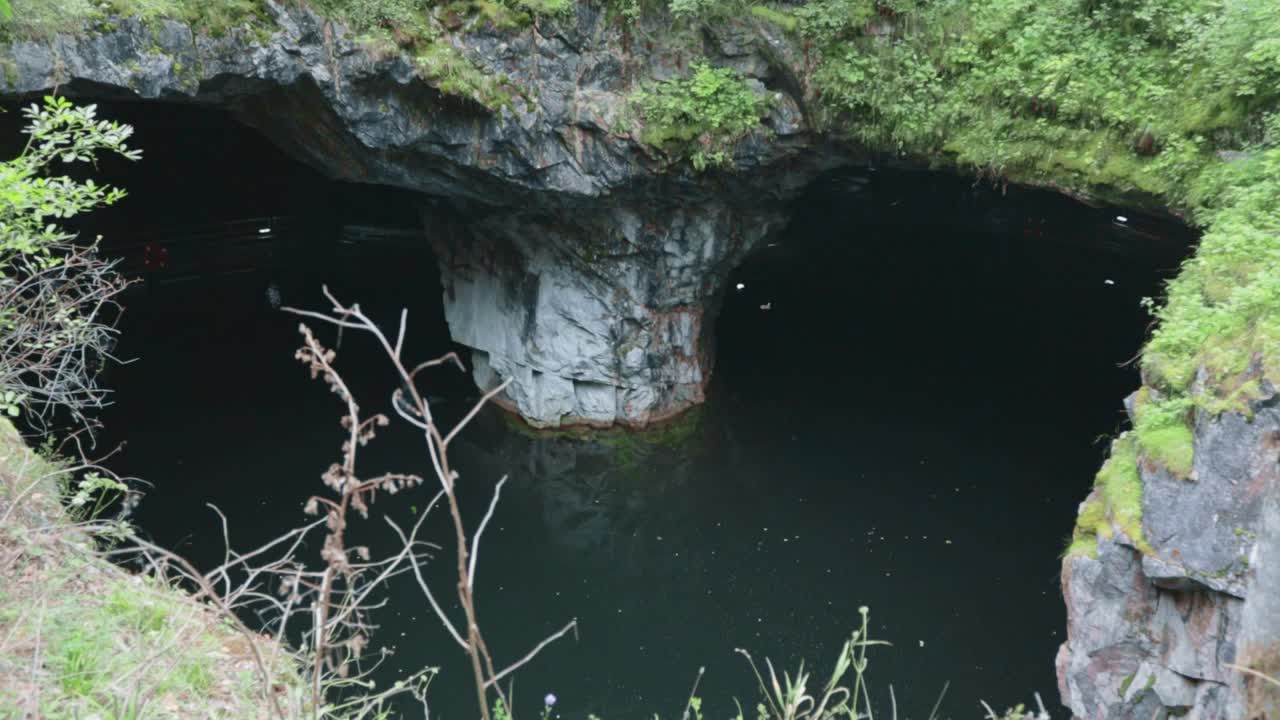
(701, 116)
(832, 20)
(889, 95)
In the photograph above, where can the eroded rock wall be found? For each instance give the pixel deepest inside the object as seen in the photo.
(1155, 623)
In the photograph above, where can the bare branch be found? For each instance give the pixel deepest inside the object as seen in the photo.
(422, 583)
(475, 543)
(572, 625)
(475, 409)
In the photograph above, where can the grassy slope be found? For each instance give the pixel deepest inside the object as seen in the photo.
(80, 637)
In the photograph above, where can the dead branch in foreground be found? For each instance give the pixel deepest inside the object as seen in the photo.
(358, 494)
(58, 316)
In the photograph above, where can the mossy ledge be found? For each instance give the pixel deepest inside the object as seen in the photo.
(1115, 505)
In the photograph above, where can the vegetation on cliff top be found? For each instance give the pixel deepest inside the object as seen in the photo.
(43, 19)
(701, 116)
(416, 28)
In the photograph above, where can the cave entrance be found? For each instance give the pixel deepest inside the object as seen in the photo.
(928, 367)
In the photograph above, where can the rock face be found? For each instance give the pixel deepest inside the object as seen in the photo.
(1153, 627)
(599, 319)
(590, 274)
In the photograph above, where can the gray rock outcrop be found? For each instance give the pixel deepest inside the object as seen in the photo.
(1154, 628)
(600, 319)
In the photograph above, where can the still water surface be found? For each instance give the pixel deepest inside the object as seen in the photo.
(908, 426)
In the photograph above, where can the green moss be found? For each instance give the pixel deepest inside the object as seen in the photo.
(1084, 546)
(1093, 515)
(445, 67)
(41, 19)
(1121, 487)
(1116, 502)
(1170, 446)
(1162, 427)
(770, 14)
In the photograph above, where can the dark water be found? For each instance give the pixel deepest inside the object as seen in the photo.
(909, 426)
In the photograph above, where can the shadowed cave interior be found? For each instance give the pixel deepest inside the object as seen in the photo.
(912, 384)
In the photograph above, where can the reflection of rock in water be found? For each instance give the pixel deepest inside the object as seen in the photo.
(614, 497)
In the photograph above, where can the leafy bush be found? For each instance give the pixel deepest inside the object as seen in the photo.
(56, 297)
(700, 116)
(686, 9)
(1130, 97)
(888, 93)
(831, 20)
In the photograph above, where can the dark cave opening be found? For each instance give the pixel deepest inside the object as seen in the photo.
(938, 364)
(916, 357)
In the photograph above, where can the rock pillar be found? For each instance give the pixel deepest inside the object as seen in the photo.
(600, 317)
